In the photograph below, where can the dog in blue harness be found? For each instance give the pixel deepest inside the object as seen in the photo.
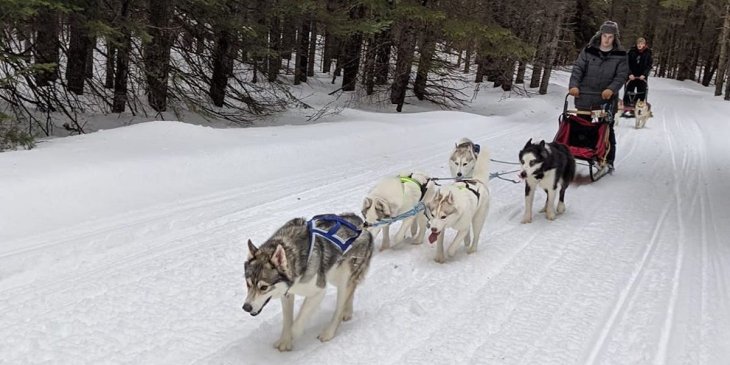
(301, 258)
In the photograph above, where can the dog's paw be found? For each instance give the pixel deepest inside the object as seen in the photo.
(440, 259)
(550, 216)
(326, 335)
(384, 247)
(544, 209)
(561, 208)
(526, 220)
(283, 344)
(346, 316)
(471, 249)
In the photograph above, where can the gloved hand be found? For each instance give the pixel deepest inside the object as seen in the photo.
(607, 94)
(642, 77)
(631, 77)
(574, 91)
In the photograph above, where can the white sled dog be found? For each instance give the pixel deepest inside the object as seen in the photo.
(463, 158)
(462, 206)
(395, 195)
(301, 258)
(643, 113)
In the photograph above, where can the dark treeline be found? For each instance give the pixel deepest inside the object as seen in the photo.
(234, 60)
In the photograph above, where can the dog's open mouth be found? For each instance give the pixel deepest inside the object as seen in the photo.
(433, 236)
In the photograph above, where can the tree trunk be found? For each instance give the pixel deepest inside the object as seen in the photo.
(552, 52)
(300, 68)
(382, 60)
(406, 47)
(47, 46)
(122, 69)
(369, 69)
(77, 53)
(467, 57)
(427, 50)
(89, 71)
(157, 52)
(520, 78)
(111, 51)
(312, 49)
(221, 67)
(351, 52)
(274, 48)
(329, 50)
(723, 60)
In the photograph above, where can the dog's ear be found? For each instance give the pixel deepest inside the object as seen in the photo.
(529, 142)
(279, 259)
(367, 203)
(542, 144)
(383, 207)
(251, 249)
(449, 198)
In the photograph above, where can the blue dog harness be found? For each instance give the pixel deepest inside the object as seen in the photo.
(331, 234)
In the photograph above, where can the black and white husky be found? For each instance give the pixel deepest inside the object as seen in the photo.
(546, 165)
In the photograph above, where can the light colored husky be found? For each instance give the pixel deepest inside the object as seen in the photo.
(393, 196)
(642, 111)
(299, 259)
(462, 206)
(463, 158)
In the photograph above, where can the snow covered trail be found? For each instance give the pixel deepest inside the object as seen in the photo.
(140, 258)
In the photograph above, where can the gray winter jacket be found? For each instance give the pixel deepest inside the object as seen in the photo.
(594, 72)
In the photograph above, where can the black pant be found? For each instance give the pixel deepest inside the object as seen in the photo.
(611, 134)
(636, 86)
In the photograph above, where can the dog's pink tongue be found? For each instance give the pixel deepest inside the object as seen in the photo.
(432, 237)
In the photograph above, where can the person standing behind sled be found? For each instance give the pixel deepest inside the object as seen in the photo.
(598, 75)
(640, 64)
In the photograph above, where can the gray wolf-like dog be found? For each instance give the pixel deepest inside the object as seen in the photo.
(285, 265)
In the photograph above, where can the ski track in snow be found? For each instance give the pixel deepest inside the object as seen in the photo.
(634, 272)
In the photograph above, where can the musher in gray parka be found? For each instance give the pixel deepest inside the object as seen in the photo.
(599, 74)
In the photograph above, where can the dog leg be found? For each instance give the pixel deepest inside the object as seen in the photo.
(344, 291)
(420, 224)
(287, 310)
(307, 309)
(561, 197)
(400, 236)
(457, 240)
(477, 225)
(386, 238)
(550, 205)
(347, 315)
(440, 248)
(529, 195)
(546, 203)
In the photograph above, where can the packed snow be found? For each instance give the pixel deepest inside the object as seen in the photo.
(127, 245)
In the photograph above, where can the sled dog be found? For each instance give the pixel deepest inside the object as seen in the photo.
(393, 196)
(301, 258)
(462, 206)
(546, 165)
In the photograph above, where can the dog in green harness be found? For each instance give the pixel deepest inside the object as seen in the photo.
(393, 196)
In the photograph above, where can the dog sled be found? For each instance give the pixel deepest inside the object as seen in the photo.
(586, 134)
(632, 97)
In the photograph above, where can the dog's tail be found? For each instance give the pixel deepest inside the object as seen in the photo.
(481, 168)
